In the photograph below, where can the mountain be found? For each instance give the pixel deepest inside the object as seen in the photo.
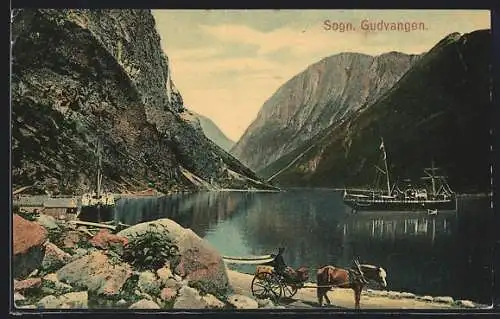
(440, 110)
(325, 93)
(80, 77)
(214, 133)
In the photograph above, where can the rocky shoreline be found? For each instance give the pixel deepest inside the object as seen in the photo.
(152, 265)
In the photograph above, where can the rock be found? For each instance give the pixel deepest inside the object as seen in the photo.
(175, 231)
(27, 284)
(18, 297)
(168, 294)
(54, 257)
(144, 304)
(265, 303)
(465, 303)
(394, 294)
(242, 302)
(444, 299)
(49, 302)
(48, 222)
(171, 283)
(96, 273)
(189, 298)
(408, 295)
(199, 261)
(164, 274)
(73, 300)
(148, 282)
(28, 249)
(105, 239)
(121, 303)
(51, 277)
(57, 286)
(425, 298)
(177, 277)
(27, 307)
(212, 302)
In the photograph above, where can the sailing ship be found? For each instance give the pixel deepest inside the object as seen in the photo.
(436, 196)
(97, 206)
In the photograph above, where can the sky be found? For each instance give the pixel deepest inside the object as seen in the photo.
(227, 63)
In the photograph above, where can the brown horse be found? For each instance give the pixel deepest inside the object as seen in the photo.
(329, 277)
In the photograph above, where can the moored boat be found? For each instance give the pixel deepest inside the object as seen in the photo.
(97, 206)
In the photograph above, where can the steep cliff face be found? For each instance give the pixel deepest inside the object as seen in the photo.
(440, 110)
(324, 94)
(79, 76)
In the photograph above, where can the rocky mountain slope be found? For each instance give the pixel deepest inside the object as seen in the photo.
(83, 76)
(324, 94)
(440, 110)
(213, 132)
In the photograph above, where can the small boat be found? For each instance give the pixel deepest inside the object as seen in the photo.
(436, 196)
(97, 206)
(432, 212)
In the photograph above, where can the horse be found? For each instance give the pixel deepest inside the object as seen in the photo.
(329, 276)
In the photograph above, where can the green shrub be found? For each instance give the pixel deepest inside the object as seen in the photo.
(150, 250)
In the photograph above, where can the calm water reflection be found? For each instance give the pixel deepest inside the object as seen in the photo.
(423, 254)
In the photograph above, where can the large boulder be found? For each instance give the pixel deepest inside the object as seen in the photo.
(28, 246)
(175, 230)
(54, 257)
(96, 273)
(199, 262)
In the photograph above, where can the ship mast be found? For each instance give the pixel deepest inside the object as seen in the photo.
(432, 176)
(382, 147)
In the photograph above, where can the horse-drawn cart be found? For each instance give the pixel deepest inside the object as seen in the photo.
(270, 283)
(272, 280)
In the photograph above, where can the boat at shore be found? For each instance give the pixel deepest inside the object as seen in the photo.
(409, 197)
(97, 206)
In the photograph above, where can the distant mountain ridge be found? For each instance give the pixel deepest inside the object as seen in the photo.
(214, 133)
(438, 111)
(323, 94)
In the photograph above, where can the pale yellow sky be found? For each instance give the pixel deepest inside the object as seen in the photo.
(227, 63)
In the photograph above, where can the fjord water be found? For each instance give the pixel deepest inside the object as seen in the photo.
(448, 254)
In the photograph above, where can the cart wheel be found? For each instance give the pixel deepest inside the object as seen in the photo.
(289, 291)
(265, 285)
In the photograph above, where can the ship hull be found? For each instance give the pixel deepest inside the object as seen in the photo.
(97, 213)
(400, 205)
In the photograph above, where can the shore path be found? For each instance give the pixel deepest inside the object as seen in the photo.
(340, 298)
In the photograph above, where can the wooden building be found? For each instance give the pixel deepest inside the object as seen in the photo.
(61, 208)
